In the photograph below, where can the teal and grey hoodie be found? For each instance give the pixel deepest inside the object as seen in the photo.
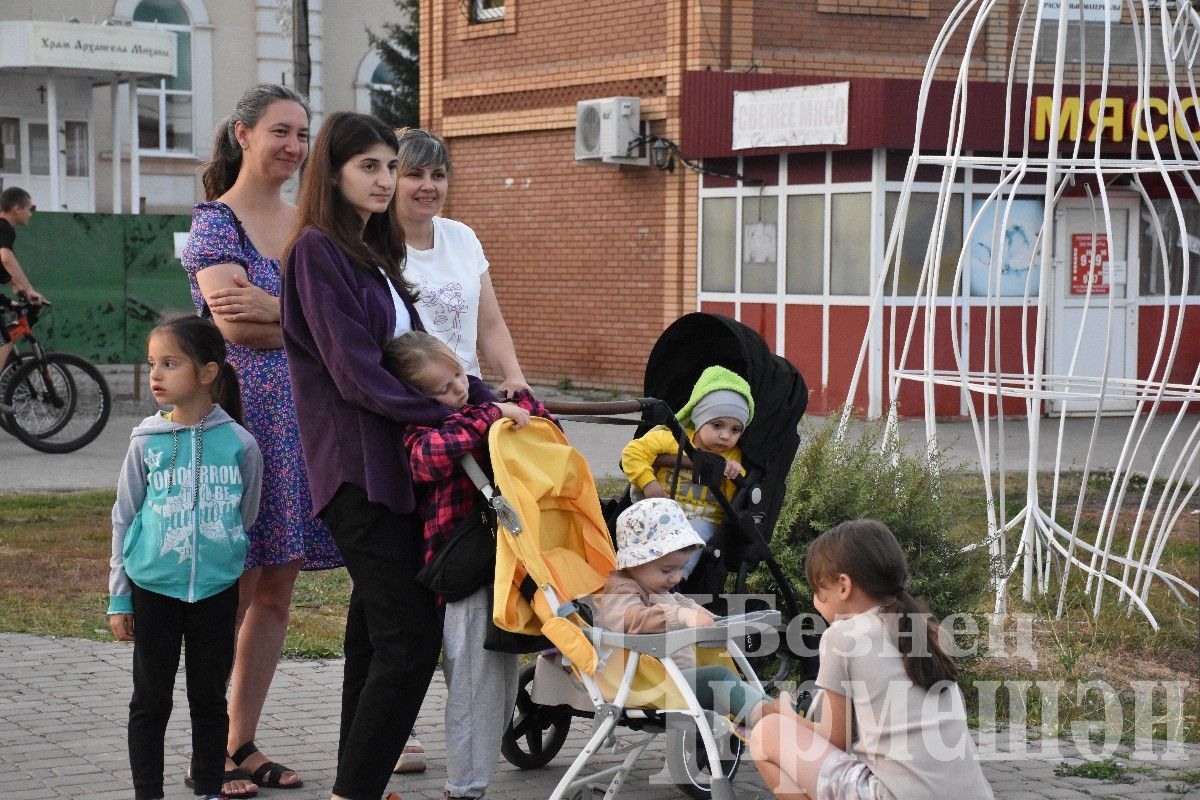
(178, 530)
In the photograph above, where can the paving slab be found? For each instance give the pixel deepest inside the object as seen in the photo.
(85, 757)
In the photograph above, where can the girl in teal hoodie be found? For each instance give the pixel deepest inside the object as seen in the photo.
(188, 490)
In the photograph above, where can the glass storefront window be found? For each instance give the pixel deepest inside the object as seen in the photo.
(78, 159)
(1002, 256)
(148, 115)
(760, 238)
(806, 244)
(1159, 274)
(183, 64)
(850, 244)
(161, 12)
(179, 123)
(10, 144)
(39, 149)
(918, 228)
(718, 245)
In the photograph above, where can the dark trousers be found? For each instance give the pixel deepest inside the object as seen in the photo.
(160, 625)
(393, 636)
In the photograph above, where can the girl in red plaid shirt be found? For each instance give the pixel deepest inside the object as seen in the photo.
(481, 684)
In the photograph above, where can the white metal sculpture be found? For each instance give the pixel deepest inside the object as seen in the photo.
(1013, 262)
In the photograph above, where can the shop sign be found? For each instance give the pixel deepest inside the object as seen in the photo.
(99, 47)
(1089, 260)
(1116, 119)
(792, 117)
(1092, 10)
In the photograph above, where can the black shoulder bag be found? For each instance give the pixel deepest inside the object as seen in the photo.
(467, 562)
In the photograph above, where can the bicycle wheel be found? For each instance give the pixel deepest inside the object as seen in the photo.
(6, 374)
(58, 409)
(51, 422)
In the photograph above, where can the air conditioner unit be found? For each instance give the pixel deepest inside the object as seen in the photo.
(604, 129)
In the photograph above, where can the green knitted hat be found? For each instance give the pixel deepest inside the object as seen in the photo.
(711, 380)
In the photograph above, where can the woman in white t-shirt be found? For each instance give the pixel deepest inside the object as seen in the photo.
(457, 304)
(885, 677)
(447, 265)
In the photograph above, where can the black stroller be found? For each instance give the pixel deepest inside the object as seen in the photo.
(684, 350)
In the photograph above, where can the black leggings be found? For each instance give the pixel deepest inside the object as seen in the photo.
(393, 636)
(160, 624)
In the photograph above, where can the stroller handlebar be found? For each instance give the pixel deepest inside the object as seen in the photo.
(653, 411)
(594, 408)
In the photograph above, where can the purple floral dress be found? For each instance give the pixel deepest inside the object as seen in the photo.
(285, 529)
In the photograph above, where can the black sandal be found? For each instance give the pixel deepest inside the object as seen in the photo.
(236, 774)
(268, 774)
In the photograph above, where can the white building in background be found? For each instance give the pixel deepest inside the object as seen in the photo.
(67, 65)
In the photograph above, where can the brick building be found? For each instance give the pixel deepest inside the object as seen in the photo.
(592, 260)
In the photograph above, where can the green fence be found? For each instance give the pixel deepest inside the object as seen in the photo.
(109, 276)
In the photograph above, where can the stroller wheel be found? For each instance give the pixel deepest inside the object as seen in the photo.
(536, 732)
(687, 761)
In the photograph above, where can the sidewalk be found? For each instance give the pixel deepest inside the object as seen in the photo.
(63, 706)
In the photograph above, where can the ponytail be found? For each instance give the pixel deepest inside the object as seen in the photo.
(924, 659)
(222, 170)
(203, 343)
(227, 392)
(866, 551)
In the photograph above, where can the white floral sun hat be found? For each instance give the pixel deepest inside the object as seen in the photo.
(650, 529)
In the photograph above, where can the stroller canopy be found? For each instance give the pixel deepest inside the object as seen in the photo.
(697, 341)
(562, 551)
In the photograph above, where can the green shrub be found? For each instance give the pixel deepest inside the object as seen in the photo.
(931, 510)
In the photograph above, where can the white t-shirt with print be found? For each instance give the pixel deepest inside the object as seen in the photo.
(447, 277)
(916, 742)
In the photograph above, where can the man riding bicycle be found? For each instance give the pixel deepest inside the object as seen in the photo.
(16, 209)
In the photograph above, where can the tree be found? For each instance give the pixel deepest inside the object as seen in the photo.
(398, 105)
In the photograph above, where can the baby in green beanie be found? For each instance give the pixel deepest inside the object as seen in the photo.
(716, 414)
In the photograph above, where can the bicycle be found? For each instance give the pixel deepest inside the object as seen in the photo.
(52, 402)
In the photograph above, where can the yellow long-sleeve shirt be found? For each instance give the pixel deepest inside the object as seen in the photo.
(637, 461)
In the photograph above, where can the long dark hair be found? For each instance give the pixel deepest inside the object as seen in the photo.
(222, 169)
(867, 552)
(321, 204)
(200, 341)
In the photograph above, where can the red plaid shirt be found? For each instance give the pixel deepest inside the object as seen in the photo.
(445, 494)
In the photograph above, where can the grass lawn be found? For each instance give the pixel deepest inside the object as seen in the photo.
(53, 581)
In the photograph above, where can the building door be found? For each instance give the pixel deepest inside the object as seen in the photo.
(1088, 326)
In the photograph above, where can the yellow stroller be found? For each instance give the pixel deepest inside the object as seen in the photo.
(553, 548)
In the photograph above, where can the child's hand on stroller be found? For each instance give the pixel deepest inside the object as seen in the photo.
(654, 489)
(696, 618)
(518, 415)
(732, 468)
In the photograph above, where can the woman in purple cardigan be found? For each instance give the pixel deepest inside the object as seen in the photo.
(344, 296)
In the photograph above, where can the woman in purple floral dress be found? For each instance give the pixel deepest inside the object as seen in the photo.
(232, 258)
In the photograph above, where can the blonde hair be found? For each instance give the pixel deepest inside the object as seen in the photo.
(411, 353)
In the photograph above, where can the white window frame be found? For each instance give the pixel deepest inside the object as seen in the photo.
(201, 92)
(480, 14)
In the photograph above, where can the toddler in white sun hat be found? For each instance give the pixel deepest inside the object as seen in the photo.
(654, 542)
